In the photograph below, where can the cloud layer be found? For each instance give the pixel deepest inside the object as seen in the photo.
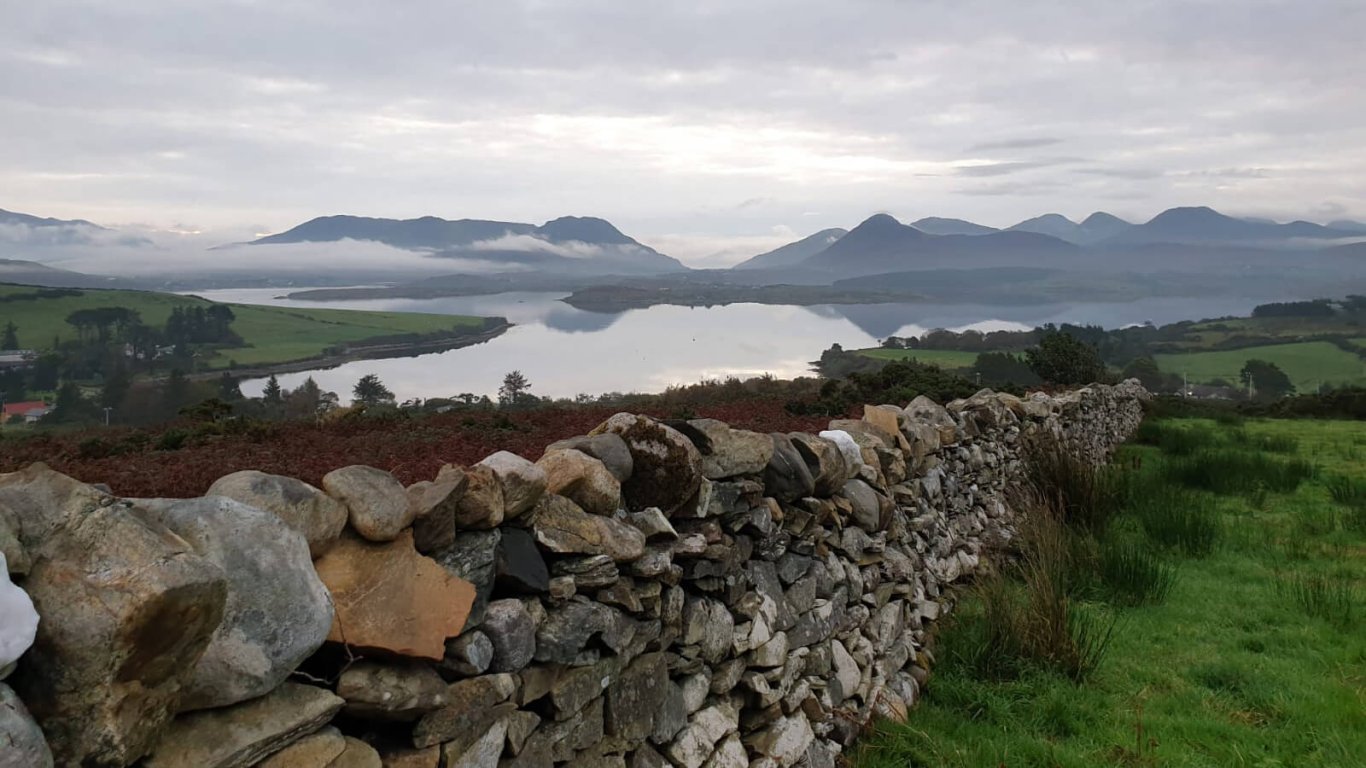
(717, 119)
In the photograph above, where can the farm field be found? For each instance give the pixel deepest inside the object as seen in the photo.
(270, 334)
(1308, 364)
(1247, 649)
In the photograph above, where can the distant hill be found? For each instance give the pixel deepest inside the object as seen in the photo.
(793, 254)
(568, 244)
(1347, 225)
(882, 244)
(934, 225)
(1205, 225)
(28, 220)
(33, 273)
(1096, 227)
(1099, 226)
(1051, 224)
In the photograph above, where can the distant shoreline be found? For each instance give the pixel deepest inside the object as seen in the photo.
(353, 354)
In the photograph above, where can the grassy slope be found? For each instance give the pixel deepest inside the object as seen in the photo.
(946, 358)
(271, 334)
(1308, 364)
(1227, 672)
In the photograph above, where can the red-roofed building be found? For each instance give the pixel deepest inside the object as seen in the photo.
(28, 411)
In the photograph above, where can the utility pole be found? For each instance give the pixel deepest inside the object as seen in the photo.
(107, 409)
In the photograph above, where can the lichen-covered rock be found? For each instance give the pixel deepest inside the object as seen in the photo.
(787, 478)
(391, 599)
(666, 468)
(16, 556)
(472, 707)
(127, 610)
(608, 448)
(523, 482)
(928, 411)
(582, 479)
(563, 528)
(241, 735)
(824, 460)
(727, 452)
(22, 744)
(473, 556)
(319, 517)
(277, 613)
(467, 655)
(316, 750)
(376, 503)
(400, 692)
(21, 621)
(482, 504)
(636, 696)
(695, 743)
(40, 500)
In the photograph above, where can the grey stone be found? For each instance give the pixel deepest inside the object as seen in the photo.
(653, 524)
(730, 753)
(22, 744)
(568, 628)
(481, 506)
(482, 753)
(319, 517)
(637, 696)
(316, 750)
(708, 623)
(867, 509)
(434, 504)
(277, 612)
(563, 528)
(521, 724)
(672, 714)
(468, 655)
(512, 632)
(473, 556)
(40, 500)
(695, 743)
(824, 460)
(376, 503)
(240, 735)
(608, 448)
(520, 568)
(391, 692)
(581, 479)
(785, 742)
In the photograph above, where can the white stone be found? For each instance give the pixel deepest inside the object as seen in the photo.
(853, 455)
(731, 754)
(20, 623)
(846, 669)
(786, 741)
(695, 743)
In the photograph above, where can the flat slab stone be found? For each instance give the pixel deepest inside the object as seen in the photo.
(389, 598)
(241, 735)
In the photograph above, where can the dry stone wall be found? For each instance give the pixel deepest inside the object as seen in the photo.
(651, 595)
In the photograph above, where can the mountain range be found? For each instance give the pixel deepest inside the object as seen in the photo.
(571, 244)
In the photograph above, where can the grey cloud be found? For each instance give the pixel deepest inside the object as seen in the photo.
(1028, 143)
(1009, 167)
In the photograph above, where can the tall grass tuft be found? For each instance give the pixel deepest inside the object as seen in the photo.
(1174, 439)
(1231, 471)
(1330, 598)
(1177, 518)
(1133, 574)
(1268, 443)
(1077, 493)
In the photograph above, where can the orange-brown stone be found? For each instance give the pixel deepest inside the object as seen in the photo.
(390, 598)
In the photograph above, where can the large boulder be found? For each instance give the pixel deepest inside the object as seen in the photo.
(240, 736)
(393, 600)
(523, 482)
(927, 411)
(667, 468)
(16, 556)
(127, 609)
(278, 612)
(583, 479)
(21, 740)
(727, 452)
(319, 517)
(376, 502)
(563, 528)
(608, 448)
(21, 622)
(40, 500)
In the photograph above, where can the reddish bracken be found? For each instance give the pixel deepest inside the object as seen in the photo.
(413, 449)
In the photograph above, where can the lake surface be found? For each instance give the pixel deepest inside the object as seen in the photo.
(565, 351)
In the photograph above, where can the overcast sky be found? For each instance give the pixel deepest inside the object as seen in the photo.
(697, 127)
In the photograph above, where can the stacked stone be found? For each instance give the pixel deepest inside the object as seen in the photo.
(653, 594)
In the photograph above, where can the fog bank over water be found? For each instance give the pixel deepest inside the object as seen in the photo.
(565, 351)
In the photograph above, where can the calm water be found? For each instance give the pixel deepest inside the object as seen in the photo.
(565, 351)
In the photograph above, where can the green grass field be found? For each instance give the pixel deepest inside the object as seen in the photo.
(1308, 364)
(944, 358)
(1256, 657)
(270, 334)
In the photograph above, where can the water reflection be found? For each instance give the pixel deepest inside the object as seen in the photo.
(565, 351)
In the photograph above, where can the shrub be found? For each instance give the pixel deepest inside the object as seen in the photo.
(1079, 494)
(172, 440)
